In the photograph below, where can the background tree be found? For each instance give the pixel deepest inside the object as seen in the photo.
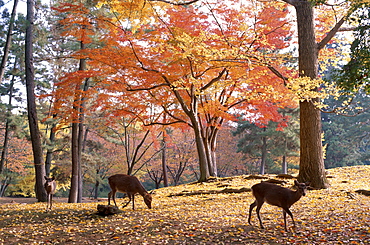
(8, 41)
(268, 144)
(39, 163)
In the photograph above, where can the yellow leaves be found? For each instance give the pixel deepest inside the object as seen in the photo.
(322, 217)
(316, 90)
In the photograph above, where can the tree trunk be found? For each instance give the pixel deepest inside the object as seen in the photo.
(8, 41)
(31, 108)
(164, 168)
(4, 150)
(284, 167)
(263, 155)
(50, 150)
(202, 156)
(311, 156)
(73, 192)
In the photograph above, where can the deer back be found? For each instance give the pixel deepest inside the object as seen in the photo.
(126, 184)
(275, 195)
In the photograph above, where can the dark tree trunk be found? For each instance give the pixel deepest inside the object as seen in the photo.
(31, 108)
(73, 192)
(311, 156)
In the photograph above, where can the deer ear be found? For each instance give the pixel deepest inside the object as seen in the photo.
(296, 182)
(46, 178)
(307, 183)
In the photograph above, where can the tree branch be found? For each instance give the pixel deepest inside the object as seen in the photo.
(331, 33)
(173, 3)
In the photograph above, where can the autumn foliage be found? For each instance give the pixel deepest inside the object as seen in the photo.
(192, 66)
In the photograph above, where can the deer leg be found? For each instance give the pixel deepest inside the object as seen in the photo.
(113, 195)
(259, 205)
(133, 202)
(109, 196)
(129, 200)
(290, 214)
(51, 201)
(284, 215)
(48, 205)
(251, 207)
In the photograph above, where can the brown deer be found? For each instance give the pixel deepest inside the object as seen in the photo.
(129, 185)
(278, 196)
(50, 187)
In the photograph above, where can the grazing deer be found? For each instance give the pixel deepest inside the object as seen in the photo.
(129, 185)
(50, 187)
(278, 196)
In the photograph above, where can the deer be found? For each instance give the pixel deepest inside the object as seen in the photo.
(277, 196)
(50, 187)
(130, 185)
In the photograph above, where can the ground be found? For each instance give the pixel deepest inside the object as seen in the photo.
(332, 216)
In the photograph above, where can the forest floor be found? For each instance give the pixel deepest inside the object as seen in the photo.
(186, 215)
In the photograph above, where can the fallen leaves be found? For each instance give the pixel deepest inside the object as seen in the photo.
(330, 216)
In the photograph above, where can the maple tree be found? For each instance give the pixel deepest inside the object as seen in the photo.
(195, 64)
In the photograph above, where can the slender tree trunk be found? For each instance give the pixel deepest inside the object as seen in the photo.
(4, 151)
(164, 168)
(50, 150)
(264, 155)
(8, 41)
(31, 108)
(75, 194)
(284, 166)
(311, 156)
(96, 185)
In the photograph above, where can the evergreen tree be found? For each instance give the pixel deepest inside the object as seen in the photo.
(267, 143)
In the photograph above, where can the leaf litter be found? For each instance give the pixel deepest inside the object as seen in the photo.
(337, 215)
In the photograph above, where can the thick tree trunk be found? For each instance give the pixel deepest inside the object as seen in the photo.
(31, 108)
(311, 156)
(202, 155)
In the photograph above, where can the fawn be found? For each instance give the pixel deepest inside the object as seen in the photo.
(129, 185)
(50, 187)
(277, 196)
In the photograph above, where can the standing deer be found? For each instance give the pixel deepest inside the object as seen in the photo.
(50, 187)
(129, 185)
(277, 196)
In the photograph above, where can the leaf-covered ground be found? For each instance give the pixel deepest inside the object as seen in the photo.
(337, 215)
